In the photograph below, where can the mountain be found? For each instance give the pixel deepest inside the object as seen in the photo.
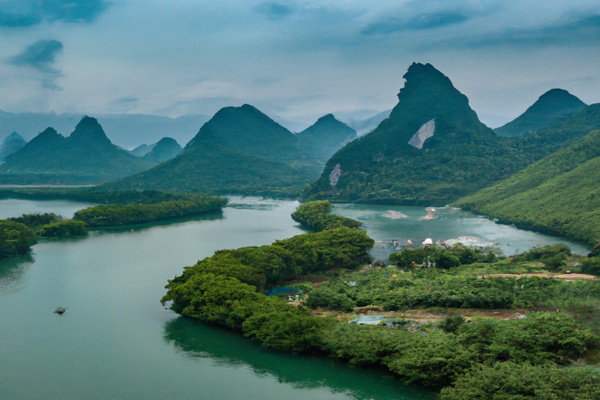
(87, 156)
(551, 108)
(572, 129)
(11, 144)
(164, 150)
(125, 130)
(142, 150)
(238, 151)
(322, 139)
(248, 130)
(368, 124)
(216, 169)
(432, 149)
(559, 194)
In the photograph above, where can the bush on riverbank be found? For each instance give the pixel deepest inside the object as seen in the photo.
(17, 235)
(15, 238)
(316, 215)
(66, 228)
(509, 380)
(117, 215)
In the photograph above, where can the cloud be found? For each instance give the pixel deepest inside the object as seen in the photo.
(417, 22)
(274, 11)
(124, 104)
(41, 56)
(580, 30)
(25, 13)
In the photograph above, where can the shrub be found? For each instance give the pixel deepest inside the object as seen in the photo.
(506, 381)
(15, 238)
(65, 228)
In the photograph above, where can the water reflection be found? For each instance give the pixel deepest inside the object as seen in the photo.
(224, 348)
(13, 273)
(254, 203)
(391, 224)
(211, 216)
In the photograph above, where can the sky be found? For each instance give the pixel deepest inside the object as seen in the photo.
(295, 59)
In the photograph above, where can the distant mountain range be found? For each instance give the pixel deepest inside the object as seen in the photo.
(11, 144)
(87, 156)
(165, 149)
(243, 151)
(322, 139)
(367, 125)
(125, 130)
(142, 149)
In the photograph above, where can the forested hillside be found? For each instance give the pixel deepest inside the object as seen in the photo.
(166, 149)
(243, 151)
(559, 194)
(551, 108)
(322, 139)
(213, 168)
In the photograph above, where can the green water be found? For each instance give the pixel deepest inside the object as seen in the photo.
(116, 341)
(388, 223)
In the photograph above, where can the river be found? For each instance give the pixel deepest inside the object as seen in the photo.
(117, 341)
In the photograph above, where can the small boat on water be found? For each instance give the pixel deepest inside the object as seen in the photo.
(60, 310)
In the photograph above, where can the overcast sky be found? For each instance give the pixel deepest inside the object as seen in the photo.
(298, 59)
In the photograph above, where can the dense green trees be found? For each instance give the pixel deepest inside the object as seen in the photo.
(65, 228)
(435, 359)
(510, 381)
(95, 194)
(333, 248)
(458, 254)
(115, 215)
(18, 234)
(552, 256)
(591, 264)
(35, 221)
(224, 289)
(395, 290)
(317, 216)
(559, 194)
(52, 225)
(15, 238)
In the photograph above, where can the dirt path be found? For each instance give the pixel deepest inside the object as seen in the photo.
(543, 275)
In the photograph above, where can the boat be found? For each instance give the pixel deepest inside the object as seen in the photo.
(60, 310)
